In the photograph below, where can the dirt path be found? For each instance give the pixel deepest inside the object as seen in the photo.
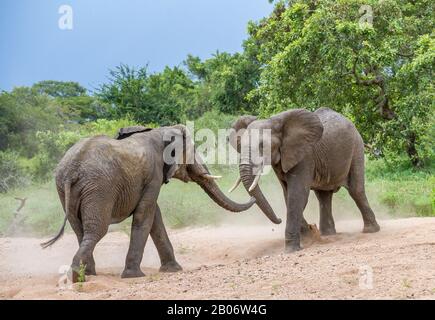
(232, 262)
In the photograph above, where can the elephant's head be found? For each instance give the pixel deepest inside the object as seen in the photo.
(182, 162)
(292, 135)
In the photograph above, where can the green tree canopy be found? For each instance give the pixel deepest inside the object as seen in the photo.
(373, 63)
(160, 98)
(59, 89)
(224, 82)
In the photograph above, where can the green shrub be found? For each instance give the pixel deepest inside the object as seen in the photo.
(12, 175)
(214, 121)
(52, 145)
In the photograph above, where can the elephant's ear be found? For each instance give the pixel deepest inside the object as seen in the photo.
(237, 130)
(128, 131)
(301, 129)
(175, 143)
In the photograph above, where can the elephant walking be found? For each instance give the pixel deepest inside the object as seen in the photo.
(101, 181)
(320, 151)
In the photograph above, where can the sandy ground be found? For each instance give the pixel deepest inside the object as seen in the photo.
(238, 262)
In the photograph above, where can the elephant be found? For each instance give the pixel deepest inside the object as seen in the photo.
(102, 181)
(321, 151)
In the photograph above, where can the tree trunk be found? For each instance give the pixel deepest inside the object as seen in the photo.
(412, 152)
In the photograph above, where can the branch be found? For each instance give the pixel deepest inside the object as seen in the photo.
(21, 206)
(383, 101)
(16, 220)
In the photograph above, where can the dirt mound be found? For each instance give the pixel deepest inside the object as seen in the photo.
(237, 262)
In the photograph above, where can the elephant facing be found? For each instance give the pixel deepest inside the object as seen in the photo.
(101, 181)
(320, 151)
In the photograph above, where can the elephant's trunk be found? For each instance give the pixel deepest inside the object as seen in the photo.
(247, 176)
(215, 193)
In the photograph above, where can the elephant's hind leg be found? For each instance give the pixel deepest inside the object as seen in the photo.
(327, 225)
(93, 231)
(143, 218)
(163, 245)
(357, 191)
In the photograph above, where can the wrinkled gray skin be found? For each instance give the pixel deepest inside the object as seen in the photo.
(101, 181)
(321, 151)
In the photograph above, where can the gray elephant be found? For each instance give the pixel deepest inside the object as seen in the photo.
(101, 181)
(320, 150)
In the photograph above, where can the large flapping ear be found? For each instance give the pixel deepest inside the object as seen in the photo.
(301, 129)
(174, 139)
(237, 130)
(128, 131)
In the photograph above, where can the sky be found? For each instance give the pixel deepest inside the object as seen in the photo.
(106, 33)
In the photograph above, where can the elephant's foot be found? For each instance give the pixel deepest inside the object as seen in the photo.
(371, 228)
(291, 247)
(171, 266)
(132, 273)
(330, 231)
(90, 270)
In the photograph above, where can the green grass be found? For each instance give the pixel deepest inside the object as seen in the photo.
(403, 190)
(399, 193)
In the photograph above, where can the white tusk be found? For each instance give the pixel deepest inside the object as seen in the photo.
(211, 177)
(257, 178)
(255, 182)
(235, 185)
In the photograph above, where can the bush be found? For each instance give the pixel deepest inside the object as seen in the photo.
(214, 120)
(52, 145)
(12, 175)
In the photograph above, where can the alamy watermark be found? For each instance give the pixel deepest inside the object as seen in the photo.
(366, 18)
(66, 19)
(187, 146)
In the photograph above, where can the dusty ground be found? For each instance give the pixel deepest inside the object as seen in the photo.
(238, 262)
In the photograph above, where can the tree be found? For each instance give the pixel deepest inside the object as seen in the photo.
(23, 112)
(59, 89)
(224, 82)
(373, 63)
(160, 98)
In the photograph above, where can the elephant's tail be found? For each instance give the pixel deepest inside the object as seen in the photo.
(59, 235)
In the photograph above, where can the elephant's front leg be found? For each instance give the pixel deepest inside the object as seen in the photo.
(143, 218)
(305, 228)
(297, 197)
(163, 244)
(327, 225)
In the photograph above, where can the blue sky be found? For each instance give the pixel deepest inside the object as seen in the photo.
(109, 32)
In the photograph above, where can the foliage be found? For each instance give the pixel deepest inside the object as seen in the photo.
(214, 120)
(224, 82)
(23, 113)
(59, 89)
(160, 98)
(329, 53)
(12, 174)
(53, 144)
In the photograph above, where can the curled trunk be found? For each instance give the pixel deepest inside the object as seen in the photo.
(215, 193)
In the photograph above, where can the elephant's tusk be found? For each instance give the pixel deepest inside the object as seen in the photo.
(211, 177)
(254, 183)
(257, 178)
(236, 184)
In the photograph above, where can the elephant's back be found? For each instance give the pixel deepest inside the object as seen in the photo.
(101, 172)
(100, 160)
(335, 150)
